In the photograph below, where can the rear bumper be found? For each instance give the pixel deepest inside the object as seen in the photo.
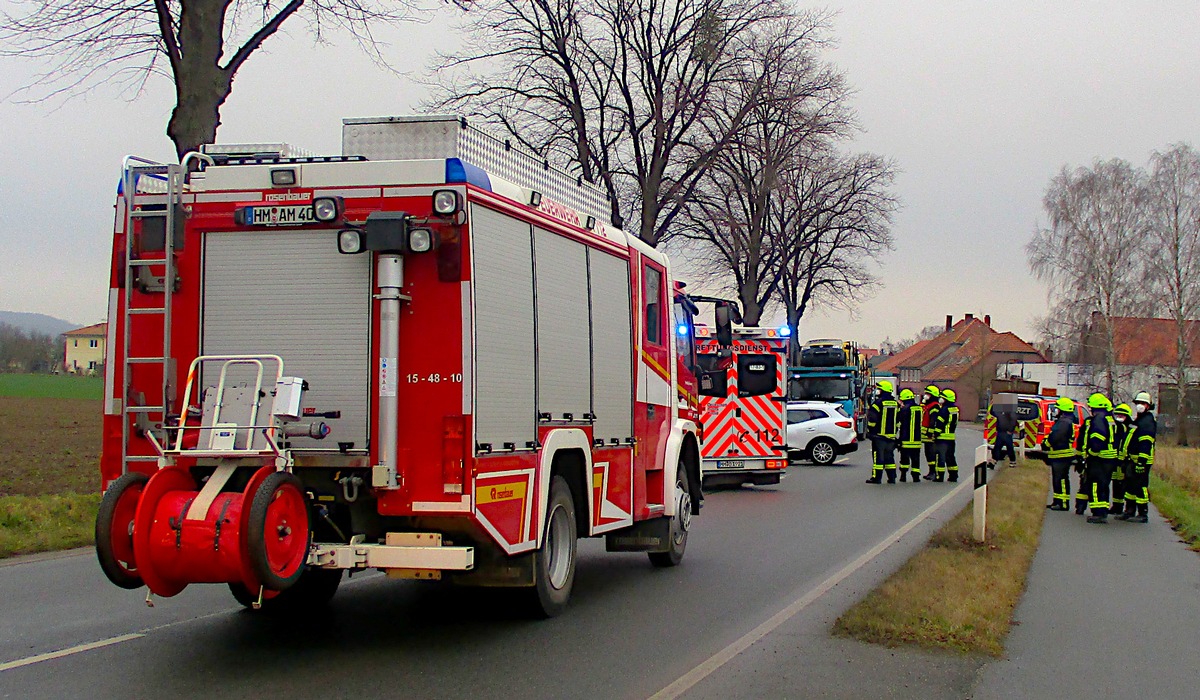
(847, 449)
(403, 551)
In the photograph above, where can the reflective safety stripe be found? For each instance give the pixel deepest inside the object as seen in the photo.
(1060, 454)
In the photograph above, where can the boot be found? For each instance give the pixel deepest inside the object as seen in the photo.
(1057, 505)
(1130, 511)
(903, 475)
(916, 477)
(1098, 519)
(1012, 463)
(953, 476)
(1143, 514)
(1080, 509)
(891, 475)
(1143, 519)
(874, 480)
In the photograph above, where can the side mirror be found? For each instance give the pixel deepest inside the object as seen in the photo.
(724, 312)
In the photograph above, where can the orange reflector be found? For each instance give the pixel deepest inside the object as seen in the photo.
(776, 463)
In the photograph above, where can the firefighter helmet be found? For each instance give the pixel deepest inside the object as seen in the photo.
(907, 394)
(1124, 408)
(948, 394)
(933, 391)
(1065, 404)
(1143, 397)
(1099, 400)
(885, 386)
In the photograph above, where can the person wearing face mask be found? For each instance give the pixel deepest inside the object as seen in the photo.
(945, 424)
(1141, 458)
(1100, 454)
(1123, 415)
(1059, 446)
(929, 404)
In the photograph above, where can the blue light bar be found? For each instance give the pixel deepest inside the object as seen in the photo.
(785, 331)
(681, 329)
(458, 171)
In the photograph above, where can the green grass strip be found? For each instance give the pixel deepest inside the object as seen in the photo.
(51, 386)
(30, 524)
(1179, 506)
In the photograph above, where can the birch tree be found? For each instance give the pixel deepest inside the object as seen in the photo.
(1175, 255)
(1092, 253)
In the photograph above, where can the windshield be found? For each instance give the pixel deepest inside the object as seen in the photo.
(822, 389)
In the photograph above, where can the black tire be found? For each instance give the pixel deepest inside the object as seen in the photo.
(822, 452)
(313, 591)
(278, 557)
(114, 540)
(554, 561)
(680, 523)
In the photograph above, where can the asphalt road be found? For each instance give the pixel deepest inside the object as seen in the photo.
(631, 630)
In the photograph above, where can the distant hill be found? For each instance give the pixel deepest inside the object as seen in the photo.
(40, 323)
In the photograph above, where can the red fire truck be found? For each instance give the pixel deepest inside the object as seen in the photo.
(428, 356)
(744, 413)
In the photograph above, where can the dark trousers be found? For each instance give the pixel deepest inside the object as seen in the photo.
(1083, 490)
(1004, 444)
(1099, 472)
(910, 458)
(930, 456)
(883, 458)
(947, 462)
(1119, 475)
(1137, 489)
(1060, 470)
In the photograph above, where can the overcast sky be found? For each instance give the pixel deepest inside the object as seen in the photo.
(979, 103)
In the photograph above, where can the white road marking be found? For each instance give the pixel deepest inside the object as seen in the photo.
(67, 652)
(50, 656)
(716, 661)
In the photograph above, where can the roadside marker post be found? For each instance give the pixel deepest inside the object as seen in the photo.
(980, 510)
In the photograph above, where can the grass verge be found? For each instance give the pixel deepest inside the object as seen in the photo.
(31, 524)
(957, 594)
(1175, 490)
(51, 386)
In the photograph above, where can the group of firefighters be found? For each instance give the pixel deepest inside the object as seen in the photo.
(910, 425)
(1112, 453)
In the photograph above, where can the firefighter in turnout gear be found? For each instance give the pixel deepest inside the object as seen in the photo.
(882, 429)
(1059, 446)
(1141, 458)
(911, 415)
(929, 404)
(1100, 453)
(944, 424)
(1123, 415)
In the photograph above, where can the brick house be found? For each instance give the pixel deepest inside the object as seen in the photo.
(963, 357)
(84, 352)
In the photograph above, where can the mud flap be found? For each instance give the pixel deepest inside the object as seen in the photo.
(645, 536)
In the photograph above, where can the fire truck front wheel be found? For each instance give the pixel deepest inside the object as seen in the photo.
(680, 523)
(554, 561)
(114, 529)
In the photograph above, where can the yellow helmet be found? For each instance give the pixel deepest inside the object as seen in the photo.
(1065, 404)
(906, 394)
(948, 394)
(1099, 400)
(1125, 409)
(885, 386)
(933, 391)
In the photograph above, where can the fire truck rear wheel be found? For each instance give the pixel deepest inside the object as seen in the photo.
(114, 529)
(278, 532)
(554, 561)
(680, 522)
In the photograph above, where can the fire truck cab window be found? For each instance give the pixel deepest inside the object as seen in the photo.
(685, 334)
(652, 293)
(756, 375)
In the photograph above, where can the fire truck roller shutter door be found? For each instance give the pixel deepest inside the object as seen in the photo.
(502, 269)
(612, 388)
(564, 361)
(291, 293)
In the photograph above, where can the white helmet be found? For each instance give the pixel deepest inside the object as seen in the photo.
(1143, 397)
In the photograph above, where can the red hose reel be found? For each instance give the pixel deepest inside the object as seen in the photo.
(258, 538)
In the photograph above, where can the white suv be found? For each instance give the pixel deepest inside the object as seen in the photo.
(819, 431)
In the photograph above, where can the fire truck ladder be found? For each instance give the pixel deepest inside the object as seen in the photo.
(156, 180)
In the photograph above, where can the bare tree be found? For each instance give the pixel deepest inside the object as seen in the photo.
(836, 214)
(203, 44)
(1175, 252)
(1092, 252)
(624, 88)
(797, 110)
(887, 346)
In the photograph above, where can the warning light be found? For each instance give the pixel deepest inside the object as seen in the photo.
(785, 331)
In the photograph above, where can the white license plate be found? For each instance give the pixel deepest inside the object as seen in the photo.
(731, 464)
(281, 215)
